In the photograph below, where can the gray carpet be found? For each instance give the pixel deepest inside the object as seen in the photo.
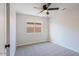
(44, 49)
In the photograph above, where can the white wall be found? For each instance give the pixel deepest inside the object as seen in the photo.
(2, 28)
(24, 38)
(64, 28)
(12, 30)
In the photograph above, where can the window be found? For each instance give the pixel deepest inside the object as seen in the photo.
(37, 27)
(30, 27)
(33, 27)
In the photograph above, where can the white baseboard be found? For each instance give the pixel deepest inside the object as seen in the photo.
(31, 43)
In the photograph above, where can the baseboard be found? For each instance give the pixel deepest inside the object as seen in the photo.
(32, 43)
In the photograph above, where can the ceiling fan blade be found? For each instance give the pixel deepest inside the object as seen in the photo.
(37, 7)
(53, 8)
(41, 11)
(48, 4)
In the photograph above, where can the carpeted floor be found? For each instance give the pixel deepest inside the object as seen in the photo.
(44, 49)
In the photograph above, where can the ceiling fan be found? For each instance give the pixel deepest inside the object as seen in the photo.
(46, 8)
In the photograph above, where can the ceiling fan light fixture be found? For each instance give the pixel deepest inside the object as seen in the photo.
(45, 11)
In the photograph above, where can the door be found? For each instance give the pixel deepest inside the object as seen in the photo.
(11, 29)
(7, 29)
(2, 29)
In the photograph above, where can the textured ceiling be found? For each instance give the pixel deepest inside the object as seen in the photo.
(28, 8)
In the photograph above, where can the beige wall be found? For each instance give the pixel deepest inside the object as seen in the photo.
(24, 38)
(64, 28)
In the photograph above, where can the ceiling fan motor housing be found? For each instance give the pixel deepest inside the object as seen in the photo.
(44, 7)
